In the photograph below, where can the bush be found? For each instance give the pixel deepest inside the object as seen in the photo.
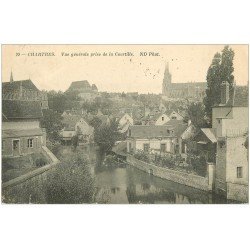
(141, 155)
(40, 162)
(110, 161)
(70, 183)
(198, 164)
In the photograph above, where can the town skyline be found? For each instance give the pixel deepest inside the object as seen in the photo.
(187, 63)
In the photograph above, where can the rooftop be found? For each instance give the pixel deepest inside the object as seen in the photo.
(238, 97)
(10, 133)
(151, 131)
(15, 85)
(16, 109)
(178, 125)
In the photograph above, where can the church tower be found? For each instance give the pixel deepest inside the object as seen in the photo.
(167, 80)
(11, 77)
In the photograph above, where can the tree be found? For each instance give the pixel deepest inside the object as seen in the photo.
(106, 136)
(221, 69)
(71, 182)
(52, 122)
(95, 122)
(196, 113)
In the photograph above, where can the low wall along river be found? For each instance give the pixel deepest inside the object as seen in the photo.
(191, 180)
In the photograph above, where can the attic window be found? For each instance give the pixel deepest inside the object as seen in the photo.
(162, 118)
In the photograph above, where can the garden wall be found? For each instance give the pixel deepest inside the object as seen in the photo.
(27, 188)
(190, 180)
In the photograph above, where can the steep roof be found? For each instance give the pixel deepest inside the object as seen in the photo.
(80, 85)
(178, 125)
(210, 133)
(241, 96)
(16, 109)
(15, 85)
(238, 97)
(70, 121)
(151, 131)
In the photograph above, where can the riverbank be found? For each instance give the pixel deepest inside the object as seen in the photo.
(191, 180)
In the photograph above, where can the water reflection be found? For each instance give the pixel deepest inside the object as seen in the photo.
(123, 185)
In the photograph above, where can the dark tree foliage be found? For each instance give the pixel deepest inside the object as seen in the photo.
(221, 69)
(70, 183)
(74, 141)
(196, 113)
(95, 122)
(106, 136)
(52, 122)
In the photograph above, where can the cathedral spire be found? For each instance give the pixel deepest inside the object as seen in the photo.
(167, 67)
(11, 76)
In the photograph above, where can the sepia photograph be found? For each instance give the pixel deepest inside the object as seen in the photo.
(125, 124)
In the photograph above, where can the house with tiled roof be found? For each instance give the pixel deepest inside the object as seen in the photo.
(150, 137)
(76, 125)
(21, 131)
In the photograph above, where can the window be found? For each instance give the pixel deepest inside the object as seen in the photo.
(146, 147)
(239, 172)
(174, 117)
(163, 147)
(30, 143)
(162, 118)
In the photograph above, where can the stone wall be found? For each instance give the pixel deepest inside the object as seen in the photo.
(190, 180)
(237, 192)
(28, 188)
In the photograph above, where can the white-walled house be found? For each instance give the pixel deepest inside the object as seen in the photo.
(230, 121)
(125, 119)
(150, 137)
(162, 119)
(76, 125)
(173, 115)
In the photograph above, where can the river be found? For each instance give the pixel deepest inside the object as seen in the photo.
(126, 184)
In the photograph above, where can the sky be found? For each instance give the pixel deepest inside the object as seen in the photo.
(119, 72)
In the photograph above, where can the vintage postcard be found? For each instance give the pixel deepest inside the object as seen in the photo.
(125, 124)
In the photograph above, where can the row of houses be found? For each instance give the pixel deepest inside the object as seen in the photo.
(224, 145)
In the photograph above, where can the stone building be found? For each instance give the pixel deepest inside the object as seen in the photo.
(230, 119)
(21, 131)
(191, 90)
(225, 142)
(84, 90)
(24, 90)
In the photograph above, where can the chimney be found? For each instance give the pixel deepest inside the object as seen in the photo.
(224, 93)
